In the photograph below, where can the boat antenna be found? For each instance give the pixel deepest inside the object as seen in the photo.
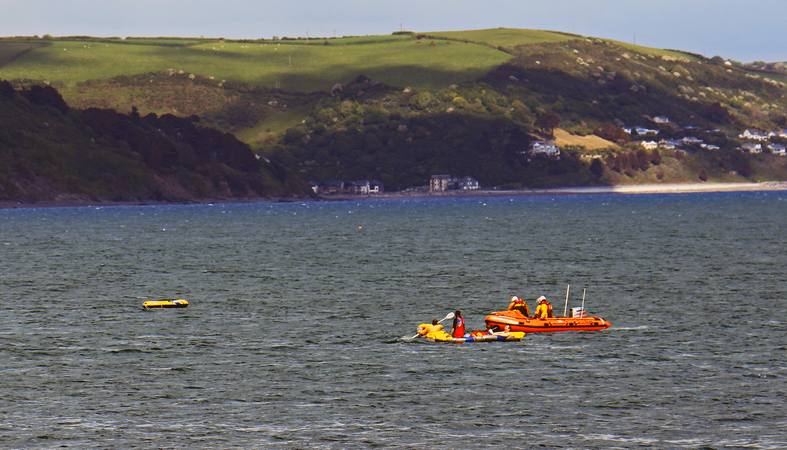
(582, 311)
(565, 308)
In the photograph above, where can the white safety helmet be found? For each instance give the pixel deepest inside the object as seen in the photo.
(541, 298)
(514, 298)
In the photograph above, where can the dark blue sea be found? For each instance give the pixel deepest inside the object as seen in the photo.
(293, 336)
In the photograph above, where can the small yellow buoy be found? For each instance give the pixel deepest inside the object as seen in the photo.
(165, 303)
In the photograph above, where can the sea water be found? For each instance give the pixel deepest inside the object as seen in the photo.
(293, 336)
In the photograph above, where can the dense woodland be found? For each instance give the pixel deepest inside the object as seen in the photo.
(51, 152)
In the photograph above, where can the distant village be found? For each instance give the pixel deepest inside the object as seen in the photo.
(437, 183)
(360, 187)
(667, 135)
(671, 136)
(754, 141)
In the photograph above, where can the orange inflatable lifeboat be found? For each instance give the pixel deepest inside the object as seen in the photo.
(519, 322)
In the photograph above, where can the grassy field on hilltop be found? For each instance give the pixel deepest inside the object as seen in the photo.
(299, 66)
(505, 37)
(346, 40)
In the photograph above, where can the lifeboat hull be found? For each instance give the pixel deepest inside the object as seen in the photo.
(518, 322)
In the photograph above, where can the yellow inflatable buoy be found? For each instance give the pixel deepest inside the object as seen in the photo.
(165, 303)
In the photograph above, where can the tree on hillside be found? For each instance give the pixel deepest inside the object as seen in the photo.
(718, 113)
(612, 133)
(45, 95)
(597, 168)
(547, 122)
(612, 163)
(718, 60)
(641, 160)
(655, 157)
(6, 89)
(521, 113)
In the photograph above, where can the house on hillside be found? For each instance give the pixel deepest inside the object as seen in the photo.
(777, 149)
(661, 120)
(376, 187)
(754, 135)
(467, 184)
(358, 187)
(547, 148)
(667, 144)
(439, 183)
(751, 147)
(691, 140)
(442, 183)
(649, 145)
(332, 187)
(709, 147)
(642, 131)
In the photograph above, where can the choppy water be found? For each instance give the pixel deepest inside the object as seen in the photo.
(292, 336)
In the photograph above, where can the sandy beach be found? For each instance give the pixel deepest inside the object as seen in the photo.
(672, 188)
(667, 188)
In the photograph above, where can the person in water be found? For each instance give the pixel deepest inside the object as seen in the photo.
(519, 304)
(458, 327)
(498, 332)
(433, 331)
(544, 308)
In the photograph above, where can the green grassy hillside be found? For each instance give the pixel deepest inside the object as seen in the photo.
(288, 65)
(402, 106)
(506, 38)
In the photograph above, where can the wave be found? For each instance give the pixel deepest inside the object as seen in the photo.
(637, 328)
(133, 350)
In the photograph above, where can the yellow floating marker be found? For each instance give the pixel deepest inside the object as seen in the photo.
(165, 303)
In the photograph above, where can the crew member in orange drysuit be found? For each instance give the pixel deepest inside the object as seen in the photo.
(519, 304)
(544, 309)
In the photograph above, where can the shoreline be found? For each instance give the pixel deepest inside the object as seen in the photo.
(632, 189)
(626, 189)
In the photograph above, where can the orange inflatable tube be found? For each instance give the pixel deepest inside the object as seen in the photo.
(519, 322)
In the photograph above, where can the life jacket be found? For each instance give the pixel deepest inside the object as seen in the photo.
(519, 305)
(438, 334)
(459, 327)
(549, 309)
(435, 332)
(424, 328)
(542, 311)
